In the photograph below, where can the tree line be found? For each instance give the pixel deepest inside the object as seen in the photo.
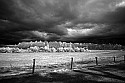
(45, 46)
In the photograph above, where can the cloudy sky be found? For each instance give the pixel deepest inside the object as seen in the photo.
(97, 21)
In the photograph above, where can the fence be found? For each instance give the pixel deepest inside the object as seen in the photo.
(97, 61)
(70, 64)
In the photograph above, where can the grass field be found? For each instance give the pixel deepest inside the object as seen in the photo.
(25, 59)
(55, 67)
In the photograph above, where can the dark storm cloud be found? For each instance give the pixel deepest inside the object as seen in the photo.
(60, 19)
(117, 16)
(34, 15)
(8, 26)
(103, 18)
(37, 14)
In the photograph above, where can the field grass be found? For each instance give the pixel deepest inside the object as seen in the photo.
(55, 67)
(95, 74)
(25, 59)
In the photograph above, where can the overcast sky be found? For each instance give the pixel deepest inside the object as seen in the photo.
(62, 20)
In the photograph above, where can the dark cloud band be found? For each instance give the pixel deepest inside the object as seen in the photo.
(56, 17)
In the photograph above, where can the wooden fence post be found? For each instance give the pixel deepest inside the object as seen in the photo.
(124, 58)
(96, 60)
(114, 59)
(71, 63)
(33, 66)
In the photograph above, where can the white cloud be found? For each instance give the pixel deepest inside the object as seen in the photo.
(79, 32)
(41, 34)
(121, 4)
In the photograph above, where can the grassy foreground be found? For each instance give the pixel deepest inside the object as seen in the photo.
(114, 73)
(84, 68)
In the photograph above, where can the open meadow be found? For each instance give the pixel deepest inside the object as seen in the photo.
(55, 67)
(26, 59)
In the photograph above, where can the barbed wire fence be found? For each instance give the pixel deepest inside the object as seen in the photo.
(71, 63)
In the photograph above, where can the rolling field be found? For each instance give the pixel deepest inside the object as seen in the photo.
(25, 59)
